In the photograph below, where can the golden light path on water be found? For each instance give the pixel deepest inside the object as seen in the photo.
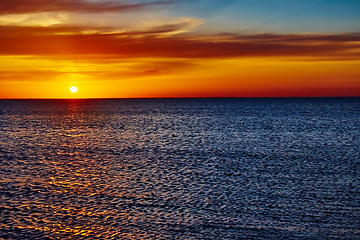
(86, 183)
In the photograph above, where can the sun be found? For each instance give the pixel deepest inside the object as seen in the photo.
(73, 89)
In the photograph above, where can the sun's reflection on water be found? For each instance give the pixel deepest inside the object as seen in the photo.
(82, 201)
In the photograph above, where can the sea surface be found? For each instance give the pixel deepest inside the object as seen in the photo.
(236, 168)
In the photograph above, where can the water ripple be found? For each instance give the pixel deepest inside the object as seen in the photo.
(180, 168)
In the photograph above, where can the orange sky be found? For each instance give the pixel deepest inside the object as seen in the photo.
(47, 49)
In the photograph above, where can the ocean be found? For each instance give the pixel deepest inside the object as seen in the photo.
(212, 168)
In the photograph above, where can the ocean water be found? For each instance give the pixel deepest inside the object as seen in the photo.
(180, 169)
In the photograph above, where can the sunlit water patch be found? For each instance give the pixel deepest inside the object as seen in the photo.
(180, 168)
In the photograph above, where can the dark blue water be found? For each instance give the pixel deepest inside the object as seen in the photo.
(180, 168)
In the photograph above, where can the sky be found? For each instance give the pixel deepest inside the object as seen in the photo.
(179, 48)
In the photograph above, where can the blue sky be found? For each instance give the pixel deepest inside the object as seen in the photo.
(278, 16)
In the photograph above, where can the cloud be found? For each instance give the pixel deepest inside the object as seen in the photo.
(36, 69)
(72, 40)
(29, 75)
(39, 6)
(181, 25)
(269, 37)
(177, 26)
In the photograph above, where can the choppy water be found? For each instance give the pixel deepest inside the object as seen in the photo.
(180, 168)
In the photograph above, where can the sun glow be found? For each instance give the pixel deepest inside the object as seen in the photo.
(73, 89)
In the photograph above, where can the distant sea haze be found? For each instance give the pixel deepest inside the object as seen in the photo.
(217, 168)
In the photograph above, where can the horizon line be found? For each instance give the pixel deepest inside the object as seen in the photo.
(177, 98)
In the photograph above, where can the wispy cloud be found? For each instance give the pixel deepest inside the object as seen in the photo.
(269, 37)
(28, 32)
(38, 6)
(56, 68)
(73, 40)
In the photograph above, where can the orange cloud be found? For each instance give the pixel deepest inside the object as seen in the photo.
(73, 41)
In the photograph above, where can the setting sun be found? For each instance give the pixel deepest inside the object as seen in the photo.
(73, 89)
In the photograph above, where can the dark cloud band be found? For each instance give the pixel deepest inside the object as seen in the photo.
(53, 41)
